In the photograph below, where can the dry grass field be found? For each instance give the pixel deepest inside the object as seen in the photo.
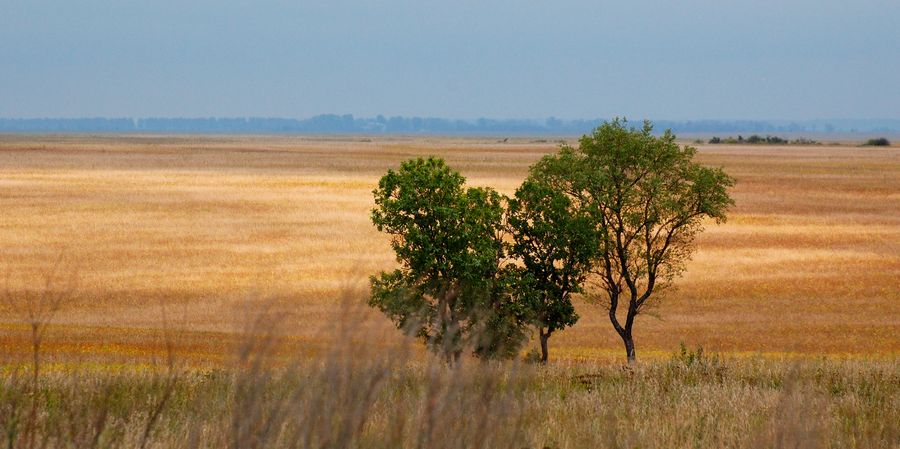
(183, 236)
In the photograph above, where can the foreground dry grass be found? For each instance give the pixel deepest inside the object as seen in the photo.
(188, 233)
(360, 395)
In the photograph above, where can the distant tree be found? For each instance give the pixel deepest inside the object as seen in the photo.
(556, 244)
(804, 141)
(715, 140)
(755, 139)
(448, 241)
(879, 142)
(649, 200)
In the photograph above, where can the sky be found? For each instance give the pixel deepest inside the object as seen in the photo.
(690, 59)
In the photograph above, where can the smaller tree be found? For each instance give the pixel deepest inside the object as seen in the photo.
(448, 241)
(556, 245)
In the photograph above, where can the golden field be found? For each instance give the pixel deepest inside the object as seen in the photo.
(184, 236)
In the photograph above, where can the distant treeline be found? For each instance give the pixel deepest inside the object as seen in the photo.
(760, 140)
(348, 124)
(775, 140)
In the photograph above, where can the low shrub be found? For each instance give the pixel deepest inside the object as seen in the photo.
(879, 142)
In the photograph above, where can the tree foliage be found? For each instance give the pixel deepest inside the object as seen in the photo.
(648, 200)
(449, 289)
(556, 245)
(618, 213)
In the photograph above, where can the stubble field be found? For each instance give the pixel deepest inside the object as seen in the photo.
(179, 238)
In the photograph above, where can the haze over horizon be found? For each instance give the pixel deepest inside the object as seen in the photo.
(571, 59)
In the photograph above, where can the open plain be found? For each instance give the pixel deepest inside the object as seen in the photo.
(176, 238)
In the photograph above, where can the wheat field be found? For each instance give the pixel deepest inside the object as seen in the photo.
(174, 238)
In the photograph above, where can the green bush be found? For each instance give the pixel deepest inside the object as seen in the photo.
(879, 142)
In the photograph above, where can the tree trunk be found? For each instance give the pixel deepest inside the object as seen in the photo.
(449, 326)
(545, 351)
(629, 348)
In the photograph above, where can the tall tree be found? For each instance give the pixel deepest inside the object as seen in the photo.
(556, 245)
(448, 241)
(649, 199)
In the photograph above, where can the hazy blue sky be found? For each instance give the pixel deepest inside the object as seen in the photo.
(761, 59)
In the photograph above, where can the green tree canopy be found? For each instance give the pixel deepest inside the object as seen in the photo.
(556, 244)
(648, 199)
(447, 239)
